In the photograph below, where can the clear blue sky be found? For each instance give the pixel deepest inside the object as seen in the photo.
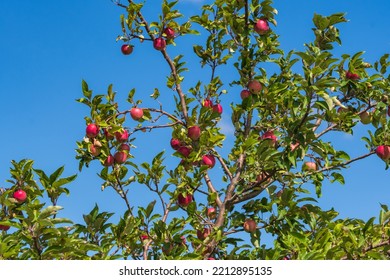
(48, 47)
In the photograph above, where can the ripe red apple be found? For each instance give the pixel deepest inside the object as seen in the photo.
(20, 195)
(211, 213)
(351, 76)
(183, 201)
(254, 86)
(202, 234)
(122, 136)
(245, 93)
(94, 150)
(184, 151)
(309, 166)
(383, 151)
(159, 44)
(270, 136)
(365, 117)
(207, 103)
(120, 157)
(136, 113)
(175, 143)
(208, 160)
(250, 225)
(127, 49)
(92, 130)
(194, 132)
(217, 108)
(5, 228)
(109, 161)
(169, 33)
(144, 237)
(261, 26)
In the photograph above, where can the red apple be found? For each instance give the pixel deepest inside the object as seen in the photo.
(351, 76)
(245, 93)
(124, 147)
(122, 136)
(365, 117)
(217, 108)
(261, 26)
(5, 228)
(293, 146)
(20, 195)
(127, 49)
(169, 33)
(159, 44)
(175, 143)
(184, 151)
(269, 135)
(208, 160)
(120, 157)
(202, 234)
(383, 151)
(94, 150)
(144, 237)
(208, 103)
(107, 134)
(210, 259)
(136, 113)
(254, 86)
(183, 201)
(109, 161)
(194, 132)
(309, 166)
(92, 130)
(250, 225)
(211, 213)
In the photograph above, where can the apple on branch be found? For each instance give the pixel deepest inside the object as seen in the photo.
(383, 152)
(136, 113)
(250, 225)
(261, 26)
(254, 86)
(194, 132)
(92, 130)
(20, 195)
(127, 49)
(184, 199)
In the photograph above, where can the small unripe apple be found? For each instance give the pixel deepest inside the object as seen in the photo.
(245, 93)
(136, 113)
(208, 160)
(250, 225)
(383, 151)
(261, 26)
(254, 86)
(159, 44)
(20, 195)
(175, 143)
(309, 166)
(217, 108)
(127, 49)
(184, 151)
(202, 234)
(109, 161)
(211, 213)
(94, 150)
(194, 132)
(122, 136)
(92, 130)
(207, 103)
(120, 157)
(169, 33)
(183, 201)
(365, 117)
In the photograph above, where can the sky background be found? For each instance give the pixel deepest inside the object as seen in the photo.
(48, 47)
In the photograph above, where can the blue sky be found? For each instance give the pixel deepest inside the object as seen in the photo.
(48, 47)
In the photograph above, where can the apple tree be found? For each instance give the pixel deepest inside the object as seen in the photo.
(216, 202)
